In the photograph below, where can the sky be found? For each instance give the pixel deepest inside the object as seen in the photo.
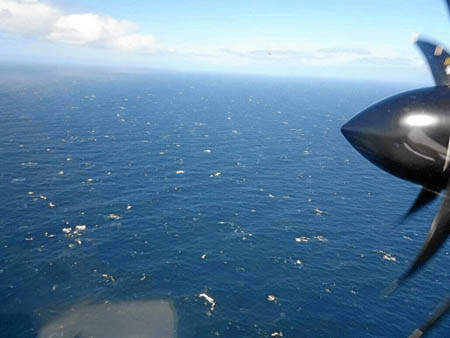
(368, 39)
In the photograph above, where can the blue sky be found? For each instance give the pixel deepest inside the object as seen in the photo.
(368, 39)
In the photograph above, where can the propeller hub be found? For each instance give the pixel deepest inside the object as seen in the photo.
(406, 135)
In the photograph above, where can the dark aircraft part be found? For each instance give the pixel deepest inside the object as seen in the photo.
(448, 6)
(408, 135)
(438, 233)
(435, 317)
(436, 57)
(425, 196)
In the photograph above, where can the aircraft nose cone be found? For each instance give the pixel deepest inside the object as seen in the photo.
(368, 133)
(359, 136)
(353, 133)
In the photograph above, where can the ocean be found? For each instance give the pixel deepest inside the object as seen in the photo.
(233, 197)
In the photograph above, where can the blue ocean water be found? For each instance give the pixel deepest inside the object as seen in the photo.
(120, 187)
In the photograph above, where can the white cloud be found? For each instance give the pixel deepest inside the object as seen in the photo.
(134, 42)
(312, 56)
(27, 17)
(36, 18)
(301, 53)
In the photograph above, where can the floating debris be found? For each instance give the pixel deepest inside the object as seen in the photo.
(110, 277)
(319, 212)
(61, 172)
(387, 256)
(179, 172)
(272, 298)
(128, 207)
(207, 150)
(29, 238)
(15, 180)
(71, 245)
(66, 230)
(30, 193)
(271, 196)
(114, 216)
(209, 299)
(302, 239)
(90, 179)
(29, 164)
(321, 238)
(69, 159)
(80, 227)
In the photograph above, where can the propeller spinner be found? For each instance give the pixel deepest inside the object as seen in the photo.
(408, 135)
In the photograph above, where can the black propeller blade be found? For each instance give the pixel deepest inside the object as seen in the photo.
(438, 60)
(438, 233)
(448, 6)
(425, 196)
(440, 311)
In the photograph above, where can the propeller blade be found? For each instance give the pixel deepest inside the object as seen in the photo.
(438, 313)
(448, 5)
(438, 60)
(438, 233)
(425, 196)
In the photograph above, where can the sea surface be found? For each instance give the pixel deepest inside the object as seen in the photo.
(123, 187)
